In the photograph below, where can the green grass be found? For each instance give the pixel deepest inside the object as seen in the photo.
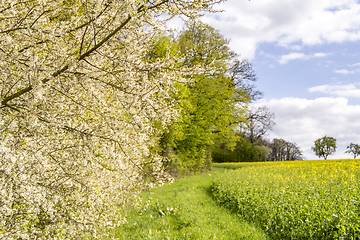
(185, 210)
(296, 200)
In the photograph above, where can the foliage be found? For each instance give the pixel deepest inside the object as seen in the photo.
(185, 210)
(325, 146)
(282, 150)
(353, 149)
(212, 102)
(252, 148)
(295, 200)
(244, 151)
(79, 109)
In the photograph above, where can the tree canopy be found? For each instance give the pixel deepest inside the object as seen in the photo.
(325, 146)
(353, 149)
(244, 151)
(212, 103)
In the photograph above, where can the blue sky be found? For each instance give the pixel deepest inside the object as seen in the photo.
(307, 57)
(284, 73)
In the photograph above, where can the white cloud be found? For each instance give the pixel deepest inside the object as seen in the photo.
(345, 71)
(302, 121)
(320, 54)
(349, 90)
(342, 71)
(355, 64)
(291, 24)
(295, 47)
(296, 55)
(292, 56)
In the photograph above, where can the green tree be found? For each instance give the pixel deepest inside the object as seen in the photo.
(244, 151)
(325, 146)
(353, 149)
(213, 102)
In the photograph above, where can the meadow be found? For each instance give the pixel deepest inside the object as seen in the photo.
(295, 200)
(185, 209)
(268, 200)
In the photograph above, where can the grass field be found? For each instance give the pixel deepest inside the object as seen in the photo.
(185, 210)
(295, 200)
(271, 200)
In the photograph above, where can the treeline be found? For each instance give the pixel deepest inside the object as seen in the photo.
(261, 150)
(253, 146)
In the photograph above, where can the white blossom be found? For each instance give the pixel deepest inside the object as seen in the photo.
(78, 105)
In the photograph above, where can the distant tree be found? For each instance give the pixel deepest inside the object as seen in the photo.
(325, 146)
(294, 152)
(282, 150)
(259, 120)
(244, 151)
(353, 149)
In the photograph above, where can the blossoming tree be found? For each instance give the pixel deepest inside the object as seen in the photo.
(78, 107)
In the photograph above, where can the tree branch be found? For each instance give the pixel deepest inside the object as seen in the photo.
(82, 57)
(13, 29)
(30, 87)
(105, 39)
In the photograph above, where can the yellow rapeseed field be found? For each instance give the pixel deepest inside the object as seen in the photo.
(295, 200)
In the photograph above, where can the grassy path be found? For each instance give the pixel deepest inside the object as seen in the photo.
(185, 210)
